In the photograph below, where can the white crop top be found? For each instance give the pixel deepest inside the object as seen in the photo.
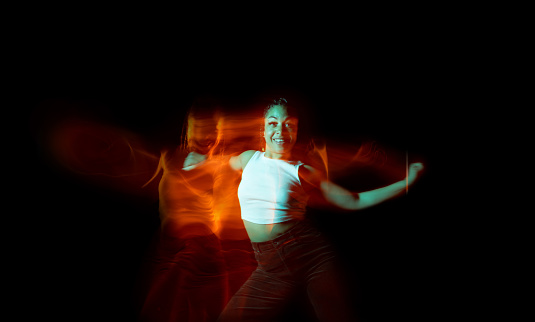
(270, 191)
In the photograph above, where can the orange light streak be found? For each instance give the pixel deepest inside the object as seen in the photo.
(199, 205)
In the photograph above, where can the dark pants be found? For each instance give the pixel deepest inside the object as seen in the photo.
(301, 261)
(187, 280)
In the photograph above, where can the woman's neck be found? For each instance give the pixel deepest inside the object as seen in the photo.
(277, 156)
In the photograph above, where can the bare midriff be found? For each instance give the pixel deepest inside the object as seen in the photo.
(259, 233)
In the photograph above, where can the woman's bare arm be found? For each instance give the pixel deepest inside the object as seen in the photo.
(348, 200)
(238, 162)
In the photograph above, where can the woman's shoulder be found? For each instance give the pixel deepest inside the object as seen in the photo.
(248, 153)
(246, 156)
(311, 175)
(240, 161)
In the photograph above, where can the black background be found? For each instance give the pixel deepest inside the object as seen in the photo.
(78, 247)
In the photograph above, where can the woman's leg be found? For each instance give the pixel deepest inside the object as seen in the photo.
(262, 298)
(328, 294)
(189, 279)
(313, 260)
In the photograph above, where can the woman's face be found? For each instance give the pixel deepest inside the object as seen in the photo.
(280, 131)
(202, 133)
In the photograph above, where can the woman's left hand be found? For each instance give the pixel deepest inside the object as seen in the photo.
(414, 172)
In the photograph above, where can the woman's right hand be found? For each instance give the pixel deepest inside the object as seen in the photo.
(193, 160)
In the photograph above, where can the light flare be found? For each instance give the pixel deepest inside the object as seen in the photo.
(199, 209)
(406, 172)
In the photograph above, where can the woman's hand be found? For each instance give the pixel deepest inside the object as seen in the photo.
(414, 172)
(193, 160)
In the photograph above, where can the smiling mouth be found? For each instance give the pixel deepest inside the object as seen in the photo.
(280, 141)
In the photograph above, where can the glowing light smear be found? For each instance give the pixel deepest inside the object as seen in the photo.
(203, 254)
(108, 156)
(406, 172)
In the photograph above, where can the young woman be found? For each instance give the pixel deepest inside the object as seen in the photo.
(290, 252)
(188, 277)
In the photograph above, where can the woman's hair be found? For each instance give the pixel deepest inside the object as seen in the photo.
(204, 108)
(291, 109)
